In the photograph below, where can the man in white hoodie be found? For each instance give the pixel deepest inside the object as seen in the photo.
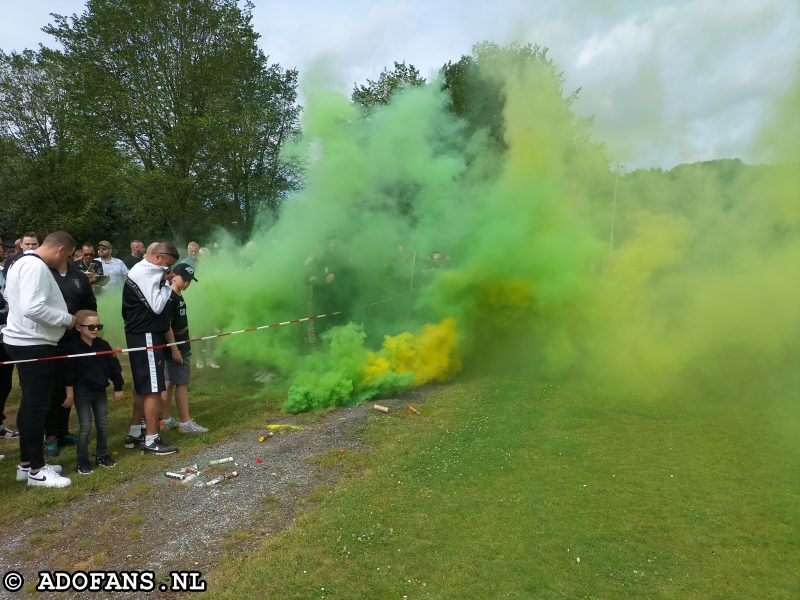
(37, 318)
(145, 296)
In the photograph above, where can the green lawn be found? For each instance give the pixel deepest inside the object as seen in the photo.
(521, 491)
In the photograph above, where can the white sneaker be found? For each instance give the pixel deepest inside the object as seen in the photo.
(191, 427)
(212, 363)
(2, 456)
(198, 364)
(23, 472)
(48, 477)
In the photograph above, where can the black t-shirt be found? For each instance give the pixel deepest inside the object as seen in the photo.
(76, 289)
(131, 260)
(179, 321)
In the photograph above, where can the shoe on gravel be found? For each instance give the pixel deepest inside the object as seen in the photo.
(158, 447)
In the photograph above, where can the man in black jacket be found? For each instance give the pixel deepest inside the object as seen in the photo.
(145, 299)
(77, 292)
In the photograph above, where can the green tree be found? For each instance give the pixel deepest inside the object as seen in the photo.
(171, 82)
(49, 178)
(379, 92)
(475, 83)
(243, 169)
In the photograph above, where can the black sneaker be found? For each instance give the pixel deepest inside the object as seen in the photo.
(158, 447)
(84, 469)
(132, 442)
(8, 434)
(106, 461)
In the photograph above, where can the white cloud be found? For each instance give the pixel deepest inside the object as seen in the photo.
(667, 82)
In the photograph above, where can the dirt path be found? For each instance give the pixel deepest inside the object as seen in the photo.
(160, 525)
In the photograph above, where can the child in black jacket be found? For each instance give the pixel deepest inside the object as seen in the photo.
(87, 381)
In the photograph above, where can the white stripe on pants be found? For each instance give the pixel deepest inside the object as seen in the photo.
(151, 362)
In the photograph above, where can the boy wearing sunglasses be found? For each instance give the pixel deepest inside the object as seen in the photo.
(86, 388)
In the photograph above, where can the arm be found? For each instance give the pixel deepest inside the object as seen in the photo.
(160, 299)
(176, 353)
(116, 375)
(34, 306)
(70, 399)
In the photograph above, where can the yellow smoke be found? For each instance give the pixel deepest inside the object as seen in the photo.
(429, 355)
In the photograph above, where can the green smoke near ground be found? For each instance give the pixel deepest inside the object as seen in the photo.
(494, 225)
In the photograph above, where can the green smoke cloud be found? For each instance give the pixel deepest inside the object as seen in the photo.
(697, 288)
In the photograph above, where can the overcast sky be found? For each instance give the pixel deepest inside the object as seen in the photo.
(667, 82)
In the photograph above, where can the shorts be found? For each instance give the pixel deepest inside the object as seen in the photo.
(178, 374)
(147, 366)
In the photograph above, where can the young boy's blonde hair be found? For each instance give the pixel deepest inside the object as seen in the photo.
(82, 315)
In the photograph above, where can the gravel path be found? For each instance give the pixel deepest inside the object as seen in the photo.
(159, 524)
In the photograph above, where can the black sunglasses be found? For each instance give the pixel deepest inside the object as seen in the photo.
(93, 327)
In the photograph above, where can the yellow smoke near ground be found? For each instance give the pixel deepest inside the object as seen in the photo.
(430, 355)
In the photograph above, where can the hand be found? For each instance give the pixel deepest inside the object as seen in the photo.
(168, 275)
(69, 401)
(118, 395)
(74, 322)
(92, 276)
(177, 357)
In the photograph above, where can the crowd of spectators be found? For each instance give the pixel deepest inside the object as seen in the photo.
(48, 307)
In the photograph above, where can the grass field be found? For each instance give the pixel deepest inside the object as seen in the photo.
(510, 490)
(224, 405)
(523, 491)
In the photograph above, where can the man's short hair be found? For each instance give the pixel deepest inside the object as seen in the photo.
(32, 234)
(60, 238)
(163, 248)
(87, 243)
(137, 242)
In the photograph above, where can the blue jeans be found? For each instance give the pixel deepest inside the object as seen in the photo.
(88, 401)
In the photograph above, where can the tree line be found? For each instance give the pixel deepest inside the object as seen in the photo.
(162, 118)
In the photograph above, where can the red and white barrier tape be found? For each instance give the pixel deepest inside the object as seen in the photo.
(200, 339)
(158, 346)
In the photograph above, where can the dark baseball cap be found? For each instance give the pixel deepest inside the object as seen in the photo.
(184, 270)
